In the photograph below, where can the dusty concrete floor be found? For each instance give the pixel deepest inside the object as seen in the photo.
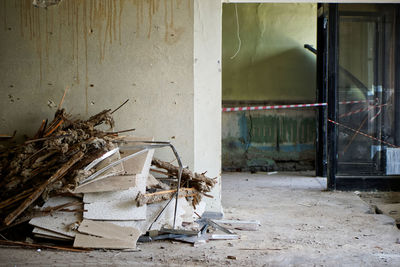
(302, 225)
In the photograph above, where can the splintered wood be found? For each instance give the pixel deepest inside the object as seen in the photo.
(143, 199)
(31, 198)
(49, 162)
(199, 181)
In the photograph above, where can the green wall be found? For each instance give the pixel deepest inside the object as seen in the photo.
(272, 64)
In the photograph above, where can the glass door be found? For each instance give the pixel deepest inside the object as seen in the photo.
(362, 82)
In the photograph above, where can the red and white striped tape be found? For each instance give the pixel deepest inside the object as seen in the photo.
(357, 111)
(273, 107)
(355, 102)
(363, 134)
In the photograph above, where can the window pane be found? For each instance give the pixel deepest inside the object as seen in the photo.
(365, 91)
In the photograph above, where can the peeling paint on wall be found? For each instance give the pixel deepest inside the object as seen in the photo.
(268, 140)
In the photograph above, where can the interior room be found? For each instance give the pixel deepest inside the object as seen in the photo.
(199, 132)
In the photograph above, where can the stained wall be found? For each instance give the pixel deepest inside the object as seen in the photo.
(265, 63)
(105, 52)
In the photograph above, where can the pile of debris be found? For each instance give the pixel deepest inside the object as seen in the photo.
(76, 183)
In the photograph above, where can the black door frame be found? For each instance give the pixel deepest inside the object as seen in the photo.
(322, 60)
(327, 82)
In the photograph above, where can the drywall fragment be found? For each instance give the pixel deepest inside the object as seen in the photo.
(141, 163)
(97, 166)
(152, 212)
(43, 233)
(112, 183)
(52, 237)
(59, 222)
(114, 211)
(87, 241)
(108, 230)
(123, 195)
(115, 206)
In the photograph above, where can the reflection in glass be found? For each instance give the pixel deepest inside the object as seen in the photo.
(365, 89)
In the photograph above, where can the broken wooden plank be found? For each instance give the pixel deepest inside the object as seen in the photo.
(36, 194)
(108, 230)
(16, 198)
(199, 181)
(87, 241)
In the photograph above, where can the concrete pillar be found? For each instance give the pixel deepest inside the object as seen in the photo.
(207, 93)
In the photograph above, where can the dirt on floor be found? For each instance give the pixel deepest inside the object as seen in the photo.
(302, 224)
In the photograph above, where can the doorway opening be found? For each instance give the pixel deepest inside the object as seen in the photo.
(264, 63)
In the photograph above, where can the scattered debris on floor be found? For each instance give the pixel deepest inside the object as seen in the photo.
(76, 184)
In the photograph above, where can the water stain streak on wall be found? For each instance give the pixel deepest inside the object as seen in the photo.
(81, 23)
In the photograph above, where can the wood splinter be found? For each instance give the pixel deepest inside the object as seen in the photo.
(199, 181)
(160, 196)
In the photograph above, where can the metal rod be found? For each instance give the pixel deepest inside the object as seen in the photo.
(103, 157)
(159, 144)
(94, 175)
